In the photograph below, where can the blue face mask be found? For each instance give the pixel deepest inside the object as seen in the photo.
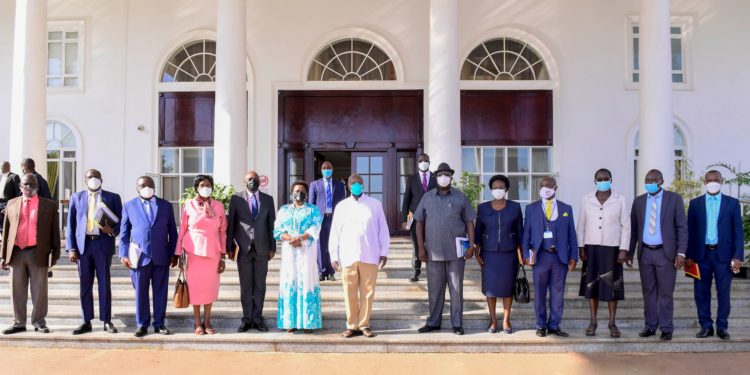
(603, 185)
(357, 189)
(651, 188)
(327, 173)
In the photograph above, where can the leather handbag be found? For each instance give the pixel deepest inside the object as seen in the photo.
(521, 293)
(181, 298)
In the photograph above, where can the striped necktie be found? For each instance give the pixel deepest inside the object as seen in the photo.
(652, 217)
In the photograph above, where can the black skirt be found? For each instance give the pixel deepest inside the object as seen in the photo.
(601, 276)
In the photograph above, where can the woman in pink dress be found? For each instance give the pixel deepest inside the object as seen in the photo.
(203, 237)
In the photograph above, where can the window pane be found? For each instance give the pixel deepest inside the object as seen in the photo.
(209, 161)
(71, 82)
(191, 160)
(71, 35)
(295, 166)
(535, 181)
(54, 35)
(676, 54)
(170, 187)
(54, 82)
(366, 182)
(376, 184)
(470, 159)
(53, 154)
(363, 164)
(54, 59)
(636, 77)
(378, 197)
(376, 164)
(406, 166)
(487, 190)
(678, 78)
(187, 182)
(636, 54)
(71, 58)
(541, 160)
(518, 160)
(402, 184)
(493, 160)
(69, 154)
(675, 30)
(636, 30)
(519, 188)
(169, 160)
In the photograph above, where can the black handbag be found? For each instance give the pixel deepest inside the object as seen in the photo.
(521, 293)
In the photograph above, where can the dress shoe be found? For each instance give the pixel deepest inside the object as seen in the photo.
(558, 332)
(646, 332)
(321, 278)
(414, 278)
(331, 277)
(723, 334)
(163, 331)
(666, 336)
(541, 332)
(41, 329)
(109, 327)
(426, 328)
(704, 332)
(140, 332)
(244, 327)
(458, 330)
(83, 328)
(261, 327)
(14, 329)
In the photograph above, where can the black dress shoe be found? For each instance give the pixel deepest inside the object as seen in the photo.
(14, 329)
(109, 327)
(83, 328)
(414, 278)
(704, 332)
(458, 330)
(666, 336)
(41, 329)
(426, 328)
(558, 332)
(541, 332)
(244, 327)
(140, 332)
(322, 278)
(723, 334)
(331, 277)
(261, 327)
(647, 332)
(163, 331)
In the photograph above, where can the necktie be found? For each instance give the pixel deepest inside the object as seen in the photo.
(712, 219)
(329, 197)
(149, 213)
(27, 214)
(90, 219)
(424, 182)
(254, 206)
(652, 217)
(548, 211)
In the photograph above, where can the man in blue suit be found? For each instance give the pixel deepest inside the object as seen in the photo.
(715, 242)
(148, 232)
(549, 242)
(92, 246)
(326, 193)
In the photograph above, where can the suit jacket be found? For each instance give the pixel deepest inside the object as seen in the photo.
(486, 228)
(674, 231)
(47, 230)
(413, 193)
(240, 222)
(565, 239)
(730, 231)
(43, 186)
(11, 188)
(75, 233)
(318, 194)
(158, 241)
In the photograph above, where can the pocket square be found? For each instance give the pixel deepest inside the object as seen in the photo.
(565, 214)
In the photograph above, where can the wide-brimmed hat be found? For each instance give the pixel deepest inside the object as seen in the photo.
(444, 167)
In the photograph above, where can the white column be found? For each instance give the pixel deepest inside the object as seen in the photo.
(28, 111)
(656, 134)
(230, 117)
(443, 130)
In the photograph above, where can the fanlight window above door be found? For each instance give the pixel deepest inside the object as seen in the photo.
(351, 59)
(504, 59)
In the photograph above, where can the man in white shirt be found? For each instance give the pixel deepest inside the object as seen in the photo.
(9, 189)
(359, 246)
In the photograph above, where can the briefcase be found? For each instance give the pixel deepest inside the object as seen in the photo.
(181, 297)
(521, 292)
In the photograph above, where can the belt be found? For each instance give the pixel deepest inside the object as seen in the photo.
(654, 247)
(16, 248)
(712, 247)
(92, 237)
(551, 250)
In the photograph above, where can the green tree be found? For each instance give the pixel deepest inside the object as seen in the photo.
(470, 186)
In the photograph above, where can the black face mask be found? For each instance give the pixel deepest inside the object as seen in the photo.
(253, 184)
(299, 196)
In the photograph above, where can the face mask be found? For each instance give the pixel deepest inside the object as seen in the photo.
(603, 185)
(253, 184)
(327, 173)
(546, 193)
(356, 189)
(205, 192)
(713, 187)
(146, 192)
(444, 181)
(299, 196)
(94, 183)
(498, 193)
(424, 165)
(651, 188)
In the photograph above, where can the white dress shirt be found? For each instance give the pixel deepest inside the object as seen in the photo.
(605, 224)
(359, 232)
(3, 181)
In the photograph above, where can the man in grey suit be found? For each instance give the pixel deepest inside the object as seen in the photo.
(250, 228)
(659, 233)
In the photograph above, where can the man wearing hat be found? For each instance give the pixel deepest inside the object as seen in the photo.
(443, 215)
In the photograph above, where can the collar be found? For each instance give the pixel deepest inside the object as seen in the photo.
(553, 200)
(149, 201)
(709, 196)
(32, 199)
(657, 195)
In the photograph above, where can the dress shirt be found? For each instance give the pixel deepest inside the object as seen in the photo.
(26, 235)
(605, 224)
(448, 214)
(648, 238)
(3, 181)
(97, 199)
(250, 197)
(359, 232)
(713, 203)
(554, 209)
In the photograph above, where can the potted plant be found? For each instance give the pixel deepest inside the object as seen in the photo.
(222, 193)
(471, 187)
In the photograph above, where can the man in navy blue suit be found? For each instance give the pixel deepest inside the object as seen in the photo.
(715, 242)
(549, 242)
(148, 232)
(326, 193)
(92, 246)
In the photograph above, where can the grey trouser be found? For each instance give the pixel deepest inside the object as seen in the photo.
(440, 274)
(25, 270)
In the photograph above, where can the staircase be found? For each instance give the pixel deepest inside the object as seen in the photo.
(400, 308)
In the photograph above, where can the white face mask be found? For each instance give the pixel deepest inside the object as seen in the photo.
(146, 192)
(444, 181)
(713, 187)
(94, 183)
(498, 193)
(205, 192)
(424, 166)
(546, 193)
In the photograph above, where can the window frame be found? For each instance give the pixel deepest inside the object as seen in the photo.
(526, 45)
(66, 26)
(180, 174)
(380, 67)
(685, 23)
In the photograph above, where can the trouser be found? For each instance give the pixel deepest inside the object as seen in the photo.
(416, 264)
(324, 257)
(440, 274)
(24, 270)
(657, 284)
(710, 268)
(549, 274)
(253, 269)
(359, 293)
(95, 262)
(156, 278)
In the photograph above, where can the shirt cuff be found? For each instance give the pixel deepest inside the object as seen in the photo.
(682, 255)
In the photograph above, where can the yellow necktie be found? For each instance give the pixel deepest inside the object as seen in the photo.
(548, 211)
(92, 212)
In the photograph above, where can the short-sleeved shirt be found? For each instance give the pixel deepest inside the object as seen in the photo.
(444, 218)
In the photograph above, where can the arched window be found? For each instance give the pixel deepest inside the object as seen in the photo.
(351, 59)
(62, 161)
(680, 156)
(192, 62)
(504, 59)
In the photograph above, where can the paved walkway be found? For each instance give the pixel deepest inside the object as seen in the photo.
(141, 362)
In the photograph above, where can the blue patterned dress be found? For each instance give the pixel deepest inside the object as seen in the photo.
(299, 287)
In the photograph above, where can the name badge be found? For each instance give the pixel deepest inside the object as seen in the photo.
(548, 234)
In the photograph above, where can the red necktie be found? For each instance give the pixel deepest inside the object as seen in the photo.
(424, 182)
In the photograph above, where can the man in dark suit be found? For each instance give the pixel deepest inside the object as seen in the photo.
(660, 235)
(550, 244)
(716, 243)
(250, 230)
(417, 184)
(326, 193)
(148, 232)
(29, 166)
(92, 246)
(8, 189)
(31, 244)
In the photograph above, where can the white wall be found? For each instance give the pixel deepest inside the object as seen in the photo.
(7, 16)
